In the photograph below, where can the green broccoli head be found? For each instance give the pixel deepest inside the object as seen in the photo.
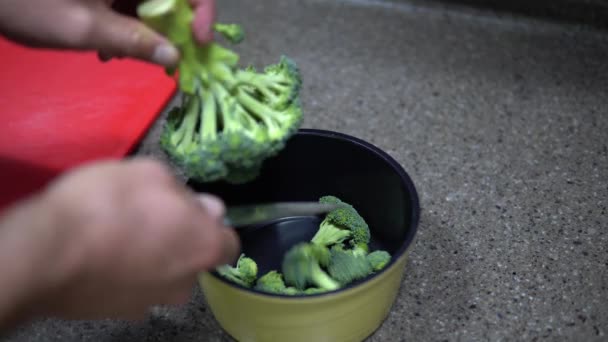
(244, 273)
(378, 259)
(278, 86)
(231, 119)
(345, 219)
(302, 267)
(271, 282)
(347, 266)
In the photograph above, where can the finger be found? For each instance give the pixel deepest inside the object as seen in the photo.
(232, 245)
(213, 205)
(209, 242)
(204, 16)
(118, 35)
(214, 244)
(147, 168)
(230, 240)
(226, 244)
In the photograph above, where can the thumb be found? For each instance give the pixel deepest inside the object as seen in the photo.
(115, 35)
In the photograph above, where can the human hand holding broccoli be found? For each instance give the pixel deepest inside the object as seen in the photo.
(97, 25)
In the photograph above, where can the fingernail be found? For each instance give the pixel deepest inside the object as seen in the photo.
(213, 205)
(165, 54)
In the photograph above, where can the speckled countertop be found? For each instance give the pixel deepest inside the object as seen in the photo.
(502, 124)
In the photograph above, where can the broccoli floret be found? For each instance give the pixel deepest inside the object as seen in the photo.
(302, 267)
(348, 265)
(271, 282)
(244, 274)
(232, 32)
(342, 224)
(378, 259)
(232, 119)
(278, 86)
(291, 291)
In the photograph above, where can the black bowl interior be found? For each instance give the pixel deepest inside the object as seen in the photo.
(315, 163)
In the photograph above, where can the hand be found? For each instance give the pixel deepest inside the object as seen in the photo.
(95, 25)
(111, 240)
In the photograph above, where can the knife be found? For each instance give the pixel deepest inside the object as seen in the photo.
(246, 215)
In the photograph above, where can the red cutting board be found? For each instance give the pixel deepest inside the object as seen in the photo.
(60, 109)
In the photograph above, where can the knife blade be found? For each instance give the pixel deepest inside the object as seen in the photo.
(246, 215)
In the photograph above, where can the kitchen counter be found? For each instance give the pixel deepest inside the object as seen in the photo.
(501, 122)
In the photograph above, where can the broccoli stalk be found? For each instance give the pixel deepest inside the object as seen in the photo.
(232, 119)
(330, 234)
(183, 135)
(302, 266)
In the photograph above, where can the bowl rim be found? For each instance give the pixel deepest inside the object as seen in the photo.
(406, 183)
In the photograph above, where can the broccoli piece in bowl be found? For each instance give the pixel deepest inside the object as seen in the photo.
(341, 225)
(244, 273)
(378, 259)
(314, 290)
(335, 257)
(348, 265)
(273, 282)
(303, 267)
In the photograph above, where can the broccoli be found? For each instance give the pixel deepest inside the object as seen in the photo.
(378, 259)
(231, 119)
(348, 265)
(342, 224)
(303, 266)
(313, 290)
(336, 256)
(272, 282)
(291, 291)
(244, 274)
(232, 32)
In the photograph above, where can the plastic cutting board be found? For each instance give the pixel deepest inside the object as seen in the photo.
(60, 109)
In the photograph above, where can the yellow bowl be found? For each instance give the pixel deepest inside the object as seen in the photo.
(315, 163)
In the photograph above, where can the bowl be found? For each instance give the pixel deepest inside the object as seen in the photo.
(315, 163)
